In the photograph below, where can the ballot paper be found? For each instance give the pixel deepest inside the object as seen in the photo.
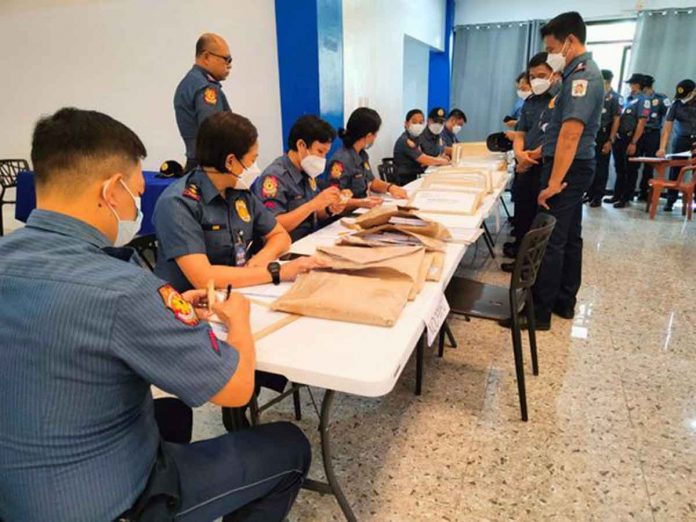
(447, 202)
(392, 237)
(264, 321)
(466, 236)
(412, 222)
(679, 155)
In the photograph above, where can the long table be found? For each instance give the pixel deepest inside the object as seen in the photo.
(325, 354)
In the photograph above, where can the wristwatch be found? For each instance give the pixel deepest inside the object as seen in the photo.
(329, 212)
(274, 269)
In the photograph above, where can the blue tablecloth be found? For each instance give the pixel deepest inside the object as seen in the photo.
(26, 197)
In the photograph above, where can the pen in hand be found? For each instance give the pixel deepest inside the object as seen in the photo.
(229, 291)
(212, 298)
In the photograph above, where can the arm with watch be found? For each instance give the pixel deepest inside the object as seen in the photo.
(606, 148)
(382, 187)
(325, 204)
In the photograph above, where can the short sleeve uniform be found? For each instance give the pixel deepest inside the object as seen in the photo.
(348, 169)
(431, 144)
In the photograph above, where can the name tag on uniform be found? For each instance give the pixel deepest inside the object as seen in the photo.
(214, 227)
(358, 176)
(295, 198)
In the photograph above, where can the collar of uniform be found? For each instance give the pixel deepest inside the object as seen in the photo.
(570, 68)
(205, 73)
(67, 226)
(208, 191)
(295, 173)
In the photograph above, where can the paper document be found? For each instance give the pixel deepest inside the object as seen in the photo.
(269, 290)
(262, 319)
(685, 155)
(412, 222)
(447, 202)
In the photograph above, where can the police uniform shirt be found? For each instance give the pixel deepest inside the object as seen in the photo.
(633, 111)
(406, 152)
(85, 332)
(654, 110)
(581, 98)
(610, 110)
(349, 169)
(197, 96)
(192, 217)
(684, 117)
(282, 188)
(531, 122)
(449, 138)
(517, 109)
(431, 144)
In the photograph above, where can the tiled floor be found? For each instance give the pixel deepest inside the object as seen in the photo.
(612, 430)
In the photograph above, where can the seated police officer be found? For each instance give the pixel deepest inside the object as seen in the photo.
(349, 167)
(453, 125)
(288, 186)
(208, 222)
(409, 158)
(85, 333)
(430, 140)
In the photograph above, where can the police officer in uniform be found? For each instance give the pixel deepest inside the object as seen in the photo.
(94, 331)
(208, 222)
(608, 129)
(631, 126)
(453, 126)
(430, 140)
(655, 107)
(349, 167)
(566, 176)
(524, 91)
(681, 117)
(409, 158)
(288, 186)
(200, 94)
(528, 139)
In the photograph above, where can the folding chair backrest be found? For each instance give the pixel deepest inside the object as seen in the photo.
(9, 168)
(531, 252)
(387, 170)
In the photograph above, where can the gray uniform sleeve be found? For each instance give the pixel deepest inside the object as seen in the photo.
(264, 220)
(178, 231)
(157, 334)
(523, 124)
(670, 112)
(209, 100)
(614, 107)
(579, 105)
(411, 149)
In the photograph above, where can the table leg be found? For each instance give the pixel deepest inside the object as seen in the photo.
(488, 239)
(332, 486)
(420, 353)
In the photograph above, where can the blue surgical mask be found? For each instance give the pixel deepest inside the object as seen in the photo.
(127, 229)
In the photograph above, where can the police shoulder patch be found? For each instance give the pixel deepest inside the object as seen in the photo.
(578, 88)
(192, 192)
(242, 210)
(656, 102)
(180, 307)
(411, 143)
(337, 169)
(667, 102)
(646, 104)
(210, 96)
(269, 187)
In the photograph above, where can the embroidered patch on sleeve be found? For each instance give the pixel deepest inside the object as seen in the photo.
(269, 187)
(192, 192)
(337, 169)
(180, 307)
(210, 96)
(578, 88)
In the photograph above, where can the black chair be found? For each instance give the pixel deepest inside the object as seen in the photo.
(474, 299)
(9, 168)
(146, 247)
(387, 171)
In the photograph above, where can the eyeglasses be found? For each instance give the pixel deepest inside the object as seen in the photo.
(228, 59)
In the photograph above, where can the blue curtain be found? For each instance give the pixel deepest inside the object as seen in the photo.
(664, 46)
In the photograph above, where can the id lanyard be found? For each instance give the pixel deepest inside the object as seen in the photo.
(239, 249)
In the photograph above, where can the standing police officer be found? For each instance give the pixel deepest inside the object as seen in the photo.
(200, 94)
(409, 158)
(608, 128)
(631, 126)
(655, 107)
(569, 165)
(682, 117)
(85, 333)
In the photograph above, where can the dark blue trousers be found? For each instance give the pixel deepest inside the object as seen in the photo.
(251, 475)
(560, 274)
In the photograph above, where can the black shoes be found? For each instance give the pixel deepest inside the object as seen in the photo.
(510, 250)
(507, 267)
(566, 312)
(621, 204)
(586, 198)
(612, 199)
(669, 207)
(540, 325)
(596, 203)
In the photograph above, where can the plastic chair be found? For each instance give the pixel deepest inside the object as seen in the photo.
(9, 168)
(658, 184)
(474, 299)
(687, 189)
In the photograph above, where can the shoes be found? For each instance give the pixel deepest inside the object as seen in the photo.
(586, 198)
(566, 312)
(540, 325)
(510, 251)
(596, 203)
(621, 204)
(643, 197)
(612, 199)
(507, 267)
(669, 207)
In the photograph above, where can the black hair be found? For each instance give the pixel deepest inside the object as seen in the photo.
(222, 134)
(537, 60)
(457, 113)
(310, 128)
(521, 76)
(565, 24)
(67, 139)
(410, 114)
(202, 44)
(362, 122)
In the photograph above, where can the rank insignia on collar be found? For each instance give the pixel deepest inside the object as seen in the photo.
(180, 307)
(242, 210)
(210, 96)
(192, 192)
(269, 187)
(312, 183)
(337, 169)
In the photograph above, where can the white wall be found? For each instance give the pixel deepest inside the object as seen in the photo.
(373, 54)
(487, 11)
(415, 70)
(125, 58)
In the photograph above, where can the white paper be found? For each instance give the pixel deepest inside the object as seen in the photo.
(465, 235)
(445, 201)
(436, 319)
(261, 317)
(686, 155)
(269, 290)
(412, 222)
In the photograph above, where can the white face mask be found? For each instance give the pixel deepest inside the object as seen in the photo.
(313, 165)
(557, 61)
(248, 176)
(540, 85)
(456, 129)
(416, 129)
(689, 97)
(436, 128)
(523, 95)
(127, 229)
